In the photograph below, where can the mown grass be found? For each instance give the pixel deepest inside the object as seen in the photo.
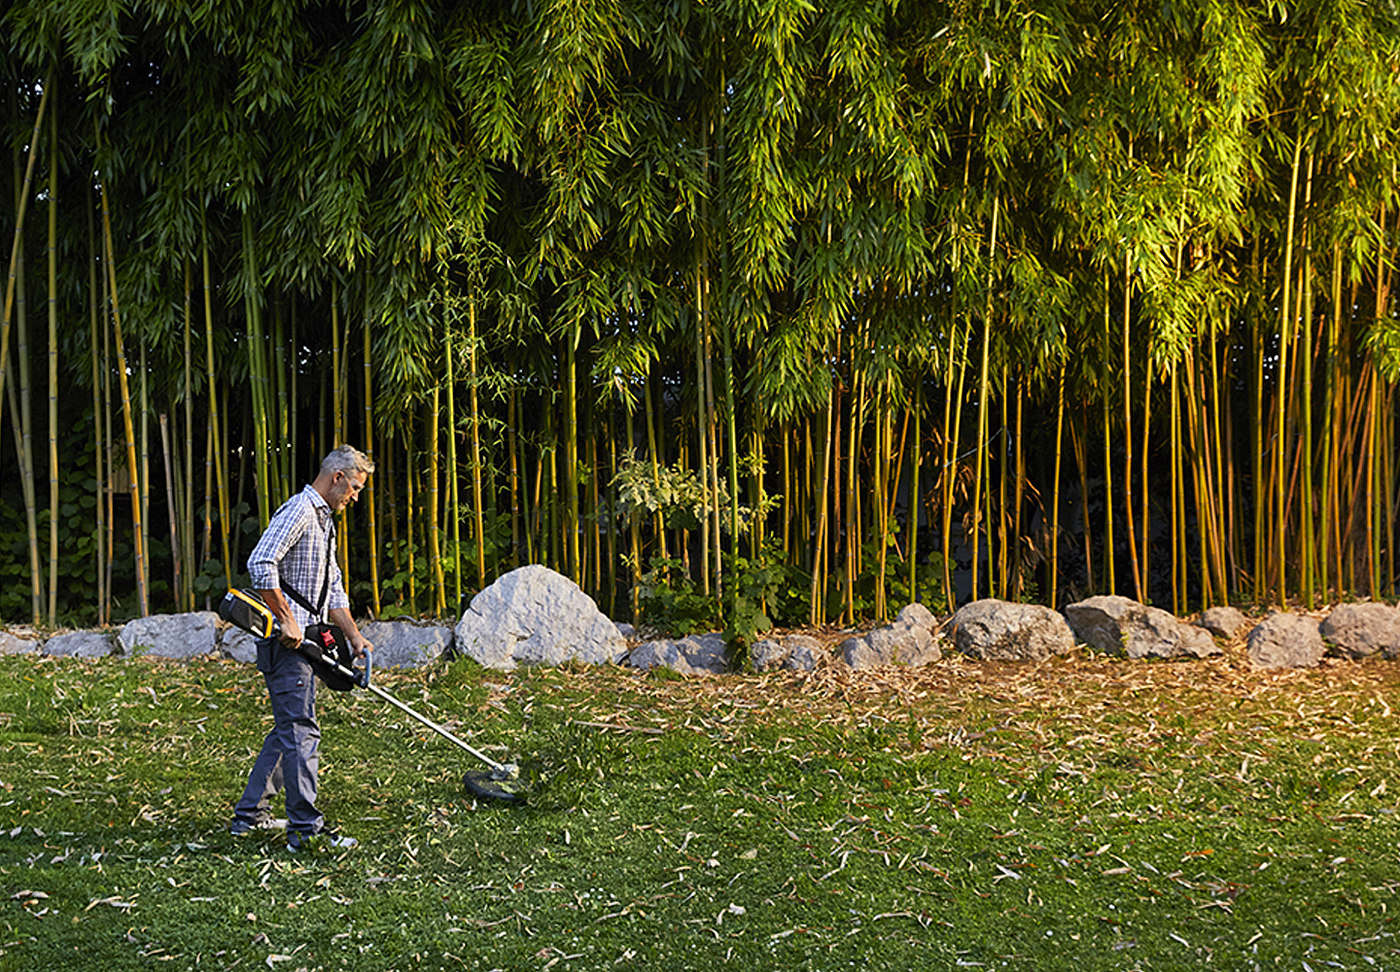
(1083, 814)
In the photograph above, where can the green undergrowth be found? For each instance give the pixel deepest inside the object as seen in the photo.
(1070, 816)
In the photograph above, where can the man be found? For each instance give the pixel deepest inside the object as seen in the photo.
(293, 568)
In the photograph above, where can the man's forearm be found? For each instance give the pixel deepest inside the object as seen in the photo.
(282, 611)
(342, 619)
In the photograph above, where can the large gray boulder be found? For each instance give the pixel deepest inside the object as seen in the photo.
(18, 643)
(170, 635)
(995, 630)
(534, 616)
(795, 652)
(406, 644)
(694, 655)
(1286, 641)
(1362, 630)
(79, 644)
(1121, 626)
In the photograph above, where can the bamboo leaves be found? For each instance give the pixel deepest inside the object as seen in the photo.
(1032, 268)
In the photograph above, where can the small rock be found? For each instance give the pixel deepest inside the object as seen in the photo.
(1223, 621)
(905, 643)
(1362, 630)
(1286, 641)
(239, 645)
(694, 655)
(769, 655)
(14, 644)
(1121, 626)
(915, 613)
(406, 644)
(806, 653)
(170, 635)
(79, 644)
(995, 630)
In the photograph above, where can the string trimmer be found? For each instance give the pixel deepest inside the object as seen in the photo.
(332, 662)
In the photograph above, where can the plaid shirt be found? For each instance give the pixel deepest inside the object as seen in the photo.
(294, 549)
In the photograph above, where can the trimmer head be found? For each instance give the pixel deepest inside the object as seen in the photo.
(490, 786)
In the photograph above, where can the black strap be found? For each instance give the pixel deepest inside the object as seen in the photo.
(300, 598)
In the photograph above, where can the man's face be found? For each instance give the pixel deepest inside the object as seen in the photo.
(345, 489)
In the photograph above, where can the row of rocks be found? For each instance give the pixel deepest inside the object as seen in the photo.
(398, 644)
(996, 630)
(534, 616)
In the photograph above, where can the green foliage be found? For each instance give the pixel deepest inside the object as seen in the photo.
(766, 223)
(752, 584)
(672, 602)
(928, 576)
(676, 493)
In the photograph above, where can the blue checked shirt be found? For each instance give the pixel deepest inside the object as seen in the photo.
(295, 548)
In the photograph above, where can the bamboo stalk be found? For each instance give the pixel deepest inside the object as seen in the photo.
(53, 370)
(100, 454)
(1304, 406)
(454, 496)
(952, 424)
(1281, 394)
(573, 555)
(214, 427)
(851, 533)
(187, 496)
(16, 247)
(1134, 564)
(128, 420)
(1055, 490)
(23, 423)
(915, 496)
(173, 513)
(431, 441)
(983, 406)
(370, 493)
(1110, 565)
(477, 483)
(257, 376)
(514, 474)
(1178, 505)
(816, 600)
(1081, 461)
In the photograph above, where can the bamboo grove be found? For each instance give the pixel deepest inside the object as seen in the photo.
(821, 306)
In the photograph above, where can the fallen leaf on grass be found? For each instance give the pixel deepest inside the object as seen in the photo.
(113, 901)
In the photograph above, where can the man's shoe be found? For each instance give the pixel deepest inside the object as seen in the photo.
(241, 826)
(298, 841)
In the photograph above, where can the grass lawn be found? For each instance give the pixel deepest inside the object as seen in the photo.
(1081, 814)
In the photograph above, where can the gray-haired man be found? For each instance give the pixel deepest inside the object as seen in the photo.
(296, 557)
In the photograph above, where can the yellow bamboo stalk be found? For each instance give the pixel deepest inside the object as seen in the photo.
(220, 481)
(369, 492)
(17, 246)
(53, 369)
(128, 422)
